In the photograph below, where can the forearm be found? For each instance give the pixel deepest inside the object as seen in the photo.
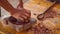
(6, 5)
(20, 3)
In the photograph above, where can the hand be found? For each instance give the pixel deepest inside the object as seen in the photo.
(22, 14)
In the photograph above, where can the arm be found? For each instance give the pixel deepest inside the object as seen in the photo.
(7, 6)
(20, 4)
(16, 13)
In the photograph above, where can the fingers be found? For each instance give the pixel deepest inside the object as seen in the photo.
(26, 15)
(25, 18)
(27, 11)
(23, 15)
(21, 18)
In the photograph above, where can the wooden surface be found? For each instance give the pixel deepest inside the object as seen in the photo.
(9, 30)
(37, 7)
(30, 7)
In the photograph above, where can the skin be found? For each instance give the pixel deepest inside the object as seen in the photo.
(21, 14)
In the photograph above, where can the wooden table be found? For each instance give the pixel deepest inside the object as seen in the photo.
(29, 6)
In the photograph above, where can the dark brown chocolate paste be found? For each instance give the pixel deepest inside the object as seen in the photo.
(15, 21)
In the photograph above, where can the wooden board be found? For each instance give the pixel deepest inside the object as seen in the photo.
(37, 8)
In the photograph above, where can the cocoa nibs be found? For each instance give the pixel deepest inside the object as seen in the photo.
(38, 30)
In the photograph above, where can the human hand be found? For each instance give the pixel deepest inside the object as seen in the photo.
(22, 14)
